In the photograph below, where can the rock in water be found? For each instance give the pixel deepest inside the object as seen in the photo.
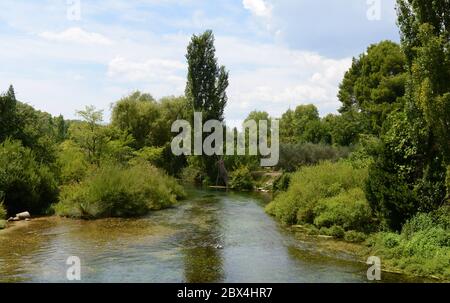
(23, 216)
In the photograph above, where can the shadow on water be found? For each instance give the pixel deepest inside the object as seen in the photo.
(212, 236)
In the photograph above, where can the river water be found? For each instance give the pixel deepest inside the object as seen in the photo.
(212, 236)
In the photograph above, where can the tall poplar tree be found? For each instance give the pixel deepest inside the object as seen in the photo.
(206, 89)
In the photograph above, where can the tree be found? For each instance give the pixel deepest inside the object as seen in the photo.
(90, 136)
(25, 183)
(206, 81)
(374, 84)
(137, 114)
(8, 115)
(206, 88)
(301, 125)
(409, 174)
(62, 128)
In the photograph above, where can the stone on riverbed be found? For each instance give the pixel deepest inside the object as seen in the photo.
(24, 215)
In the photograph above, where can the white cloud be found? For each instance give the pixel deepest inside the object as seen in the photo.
(258, 7)
(151, 69)
(274, 77)
(158, 76)
(76, 35)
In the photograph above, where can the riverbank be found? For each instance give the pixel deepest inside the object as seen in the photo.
(358, 251)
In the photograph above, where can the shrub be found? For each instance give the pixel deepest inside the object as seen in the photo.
(25, 184)
(241, 179)
(115, 191)
(311, 184)
(334, 231)
(2, 211)
(153, 155)
(281, 183)
(348, 209)
(294, 156)
(354, 236)
(72, 162)
(422, 247)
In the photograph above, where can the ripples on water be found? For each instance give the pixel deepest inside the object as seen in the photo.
(210, 237)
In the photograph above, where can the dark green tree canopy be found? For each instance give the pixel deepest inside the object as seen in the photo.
(409, 174)
(374, 83)
(206, 81)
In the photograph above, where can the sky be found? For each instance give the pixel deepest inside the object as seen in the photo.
(62, 55)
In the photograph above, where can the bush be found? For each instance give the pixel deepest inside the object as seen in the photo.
(310, 185)
(72, 162)
(25, 184)
(422, 247)
(2, 212)
(354, 236)
(334, 231)
(115, 191)
(281, 183)
(154, 155)
(348, 209)
(294, 156)
(241, 179)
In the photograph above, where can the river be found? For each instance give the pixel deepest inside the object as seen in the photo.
(213, 236)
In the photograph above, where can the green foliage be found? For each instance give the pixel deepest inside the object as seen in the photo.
(8, 114)
(334, 231)
(138, 114)
(3, 213)
(206, 89)
(409, 174)
(294, 156)
(72, 162)
(36, 130)
(344, 129)
(348, 210)
(354, 236)
(423, 246)
(448, 183)
(241, 179)
(310, 185)
(154, 155)
(89, 135)
(374, 84)
(192, 174)
(281, 183)
(25, 184)
(114, 191)
(363, 155)
(302, 125)
(207, 82)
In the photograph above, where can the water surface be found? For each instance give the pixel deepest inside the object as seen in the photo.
(212, 236)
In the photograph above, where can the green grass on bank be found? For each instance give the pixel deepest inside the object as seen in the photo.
(422, 247)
